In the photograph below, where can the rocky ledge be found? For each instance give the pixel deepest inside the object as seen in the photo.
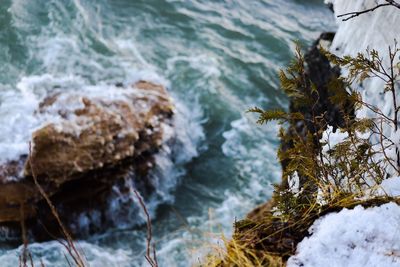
(270, 234)
(94, 142)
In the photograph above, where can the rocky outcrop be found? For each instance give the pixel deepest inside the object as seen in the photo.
(76, 158)
(264, 232)
(102, 132)
(261, 230)
(320, 73)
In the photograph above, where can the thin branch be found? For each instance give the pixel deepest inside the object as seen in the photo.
(155, 254)
(151, 260)
(30, 259)
(350, 15)
(376, 110)
(24, 238)
(392, 85)
(71, 247)
(389, 160)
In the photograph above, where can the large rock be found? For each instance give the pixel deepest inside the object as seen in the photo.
(94, 141)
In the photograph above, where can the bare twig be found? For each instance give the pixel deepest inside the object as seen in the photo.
(388, 159)
(392, 84)
(73, 252)
(24, 238)
(152, 260)
(67, 260)
(155, 254)
(350, 15)
(30, 259)
(392, 56)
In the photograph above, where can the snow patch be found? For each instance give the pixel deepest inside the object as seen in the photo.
(374, 30)
(330, 139)
(358, 237)
(389, 187)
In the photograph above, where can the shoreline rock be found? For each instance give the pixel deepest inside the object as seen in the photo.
(77, 159)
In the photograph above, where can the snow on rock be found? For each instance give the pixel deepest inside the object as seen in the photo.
(389, 187)
(294, 183)
(92, 141)
(374, 30)
(358, 237)
(330, 138)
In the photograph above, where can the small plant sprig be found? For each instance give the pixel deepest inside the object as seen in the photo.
(355, 163)
(371, 65)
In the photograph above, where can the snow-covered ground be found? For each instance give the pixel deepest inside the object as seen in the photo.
(358, 237)
(371, 236)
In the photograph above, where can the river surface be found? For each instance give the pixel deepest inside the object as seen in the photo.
(218, 58)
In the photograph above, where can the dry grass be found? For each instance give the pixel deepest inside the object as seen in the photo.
(268, 239)
(233, 253)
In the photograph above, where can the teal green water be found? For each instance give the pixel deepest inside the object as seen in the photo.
(218, 58)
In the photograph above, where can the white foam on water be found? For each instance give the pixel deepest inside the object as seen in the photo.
(181, 143)
(54, 254)
(256, 162)
(206, 64)
(63, 48)
(18, 106)
(185, 136)
(67, 62)
(17, 118)
(255, 152)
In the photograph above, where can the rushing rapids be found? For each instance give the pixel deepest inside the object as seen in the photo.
(216, 58)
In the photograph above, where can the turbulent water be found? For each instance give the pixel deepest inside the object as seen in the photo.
(218, 58)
